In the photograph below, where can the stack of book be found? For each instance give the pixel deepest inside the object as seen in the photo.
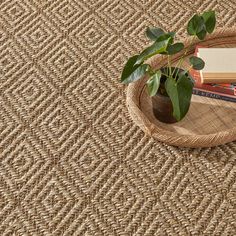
(218, 78)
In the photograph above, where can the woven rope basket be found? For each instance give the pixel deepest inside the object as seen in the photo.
(216, 121)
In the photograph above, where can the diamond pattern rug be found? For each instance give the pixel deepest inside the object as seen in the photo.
(72, 162)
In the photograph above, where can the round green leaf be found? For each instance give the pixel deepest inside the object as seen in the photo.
(210, 20)
(180, 94)
(174, 48)
(137, 74)
(197, 62)
(153, 83)
(195, 25)
(155, 48)
(129, 67)
(202, 34)
(166, 36)
(154, 33)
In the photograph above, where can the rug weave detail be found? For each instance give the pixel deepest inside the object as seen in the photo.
(72, 162)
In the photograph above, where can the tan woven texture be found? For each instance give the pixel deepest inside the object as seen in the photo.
(72, 160)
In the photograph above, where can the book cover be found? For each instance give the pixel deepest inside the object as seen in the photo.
(214, 95)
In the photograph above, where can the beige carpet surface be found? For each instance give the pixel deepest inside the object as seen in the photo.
(72, 162)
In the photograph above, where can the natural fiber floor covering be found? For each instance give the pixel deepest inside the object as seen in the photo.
(72, 160)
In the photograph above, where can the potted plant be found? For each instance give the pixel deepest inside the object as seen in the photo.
(170, 87)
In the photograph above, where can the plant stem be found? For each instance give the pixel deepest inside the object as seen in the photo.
(190, 67)
(168, 76)
(180, 61)
(178, 65)
(169, 65)
(150, 71)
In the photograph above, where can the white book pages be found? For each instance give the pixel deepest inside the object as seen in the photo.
(222, 60)
(220, 65)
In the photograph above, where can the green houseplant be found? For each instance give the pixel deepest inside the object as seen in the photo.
(173, 83)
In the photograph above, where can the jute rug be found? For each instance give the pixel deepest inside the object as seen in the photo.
(72, 160)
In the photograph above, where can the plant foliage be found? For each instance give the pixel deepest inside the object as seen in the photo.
(178, 85)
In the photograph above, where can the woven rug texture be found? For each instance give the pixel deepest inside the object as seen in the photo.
(72, 162)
